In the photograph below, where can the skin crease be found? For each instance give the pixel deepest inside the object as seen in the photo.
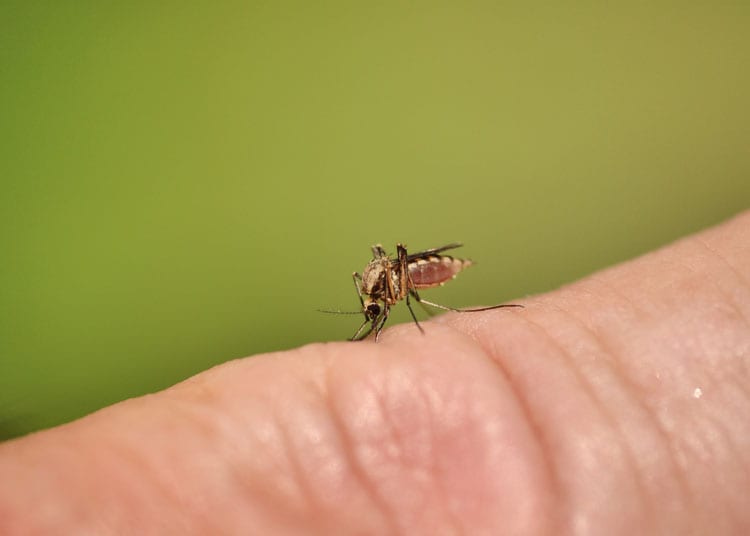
(619, 404)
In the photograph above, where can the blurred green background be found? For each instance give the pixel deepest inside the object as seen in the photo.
(184, 184)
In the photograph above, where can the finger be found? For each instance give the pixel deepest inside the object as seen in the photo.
(529, 424)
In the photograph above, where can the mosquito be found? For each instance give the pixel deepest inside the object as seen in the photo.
(386, 281)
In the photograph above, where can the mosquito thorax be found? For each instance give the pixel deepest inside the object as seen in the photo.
(373, 278)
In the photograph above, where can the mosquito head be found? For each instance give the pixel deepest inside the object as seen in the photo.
(372, 310)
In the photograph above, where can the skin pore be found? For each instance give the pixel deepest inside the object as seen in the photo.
(619, 404)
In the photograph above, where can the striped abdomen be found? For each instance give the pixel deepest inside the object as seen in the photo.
(435, 270)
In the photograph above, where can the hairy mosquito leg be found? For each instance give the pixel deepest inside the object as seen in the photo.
(446, 308)
(415, 295)
(436, 305)
(476, 310)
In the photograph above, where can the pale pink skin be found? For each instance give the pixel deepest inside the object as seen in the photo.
(616, 405)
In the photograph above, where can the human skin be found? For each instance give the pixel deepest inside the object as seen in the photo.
(619, 404)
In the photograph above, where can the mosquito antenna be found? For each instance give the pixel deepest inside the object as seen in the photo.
(331, 312)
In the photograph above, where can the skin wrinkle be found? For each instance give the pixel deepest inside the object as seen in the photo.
(235, 473)
(400, 440)
(686, 466)
(431, 468)
(434, 468)
(739, 281)
(722, 430)
(395, 437)
(742, 400)
(565, 494)
(238, 475)
(729, 444)
(603, 280)
(716, 374)
(534, 517)
(705, 447)
(737, 273)
(492, 355)
(663, 436)
(243, 478)
(728, 298)
(299, 474)
(316, 394)
(129, 462)
(726, 371)
(731, 299)
(585, 386)
(128, 468)
(187, 410)
(243, 473)
(264, 475)
(351, 460)
(536, 431)
(610, 363)
(250, 477)
(676, 436)
(305, 452)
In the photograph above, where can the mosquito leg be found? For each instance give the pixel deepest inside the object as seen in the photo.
(437, 305)
(382, 319)
(415, 295)
(476, 310)
(379, 329)
(404, 281)
(357, 337)
(414, 317)
(446, 308)
(355, 278)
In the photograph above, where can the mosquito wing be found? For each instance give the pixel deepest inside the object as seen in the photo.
(434, 251)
